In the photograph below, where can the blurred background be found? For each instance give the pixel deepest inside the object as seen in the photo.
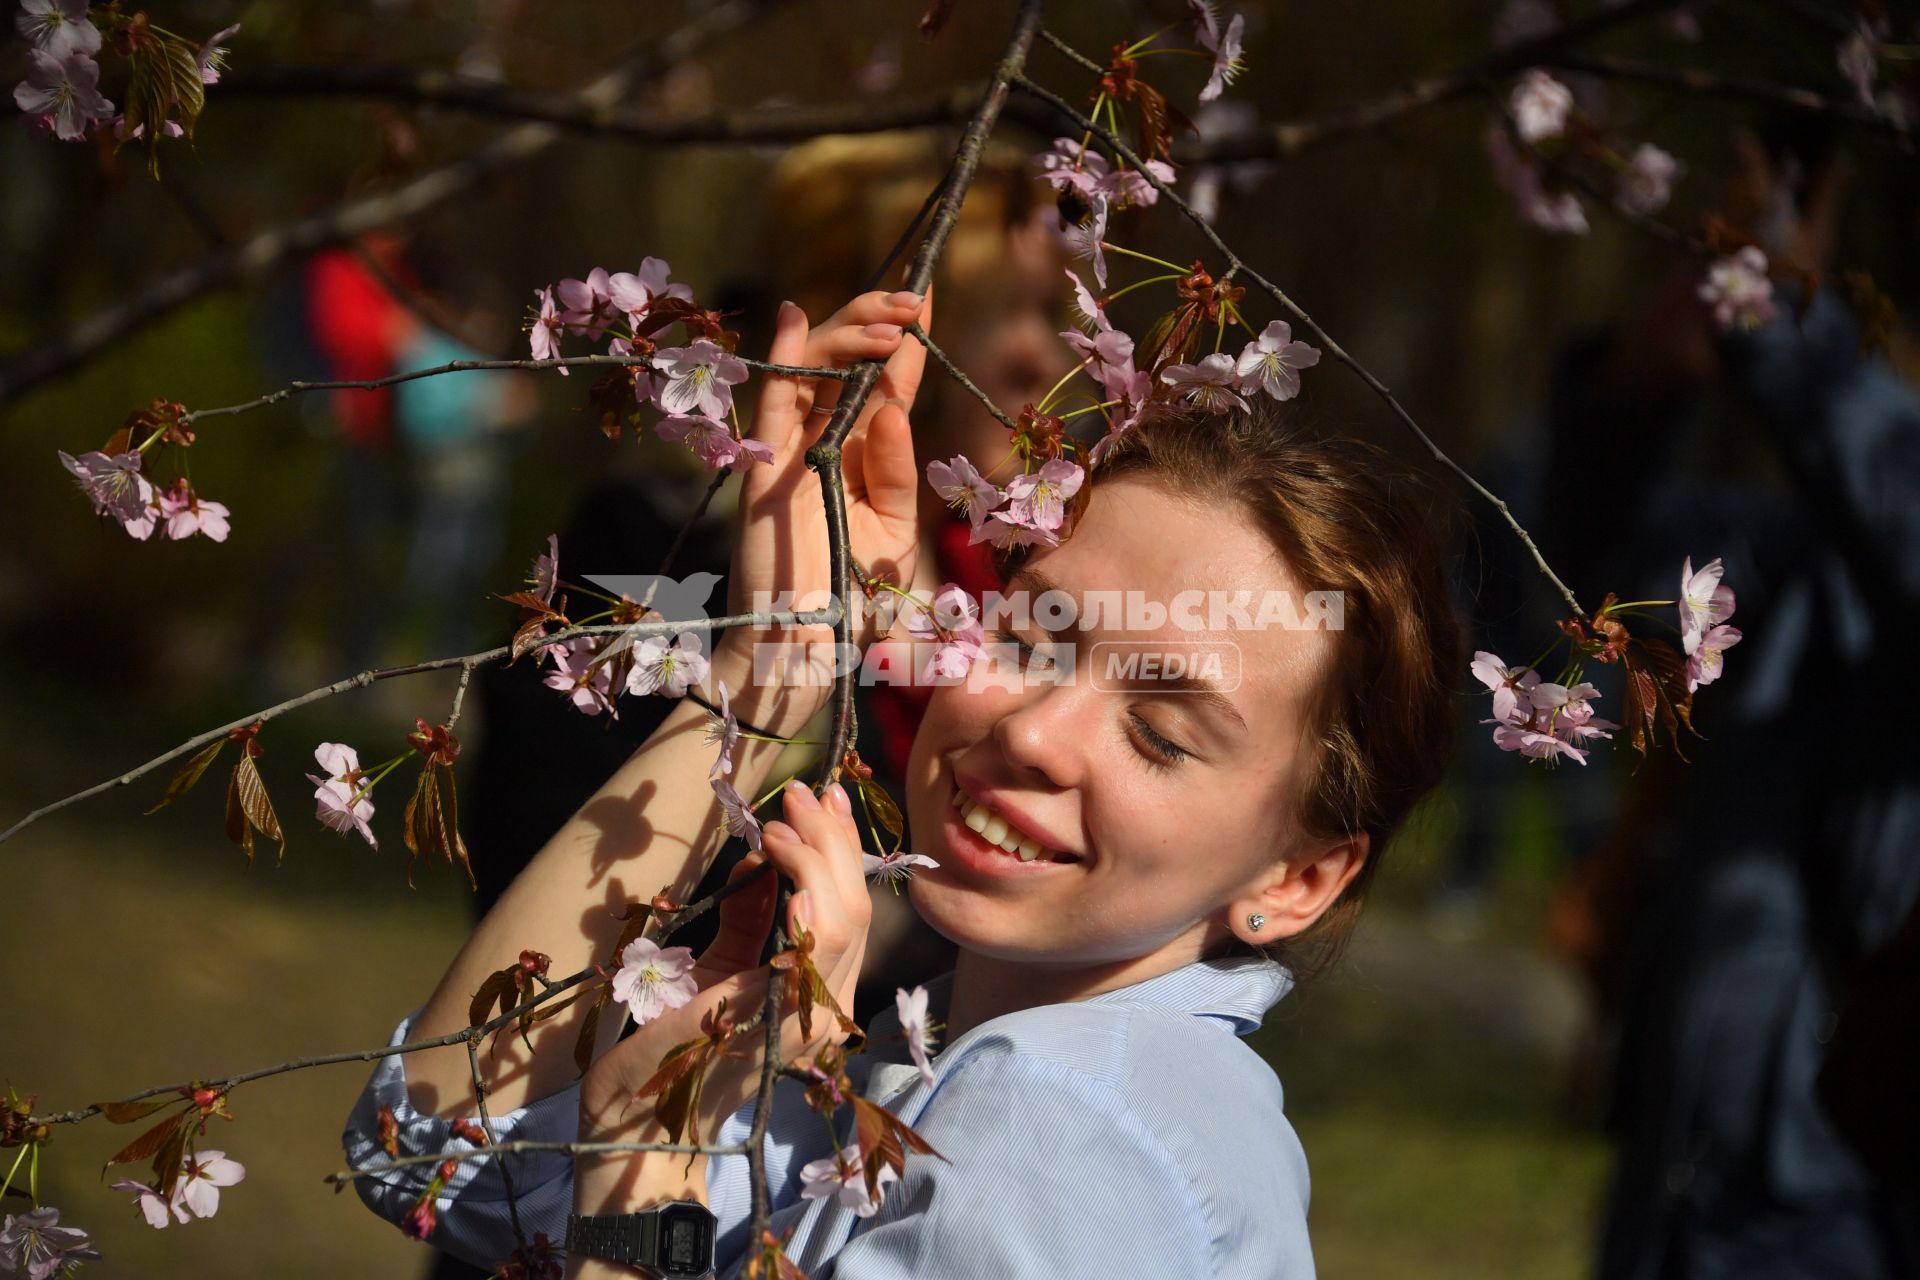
(1538, 991)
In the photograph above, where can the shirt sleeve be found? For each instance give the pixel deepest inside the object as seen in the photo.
(1049, 1172)
(473, 1222)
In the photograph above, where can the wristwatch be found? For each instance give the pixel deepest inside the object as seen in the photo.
(671, 1239)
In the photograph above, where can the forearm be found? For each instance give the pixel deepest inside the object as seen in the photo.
(627, 1183)
(654, 827)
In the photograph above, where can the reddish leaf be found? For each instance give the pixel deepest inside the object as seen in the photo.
(128, 1112)
(451, 841)
(189, 774)
(149, 1142)
(497, 989)
(167, 1161)
(884, 809)
(884, 1141)
(248, 808)
(589, 1032)
(415, 826)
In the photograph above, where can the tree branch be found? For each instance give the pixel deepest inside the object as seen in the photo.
(268, 249)
(1722, 85)
(517, 1146)
(959, 375)
(1239, 266)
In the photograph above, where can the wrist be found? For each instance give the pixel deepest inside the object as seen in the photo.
(766, 684)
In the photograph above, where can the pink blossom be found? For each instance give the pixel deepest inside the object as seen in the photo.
(58, 27)
(634, 291)
(212, 58)
(1559, 212)
(421, 1218)
(111, 482)
(33, 1244)
(1004, 532)
(1110, 349)
(1092, 315)
(168, 129)
(544, 336)
(1647, 182)
(1040, 498)
(1227, 64)
(1704, 600)
(152, 1205)
(1512, 687)
(912, 1007)
(587, 303)
(652, 980)
(150, 516)
(711, 441)
(205, 1172)
(545, 575)
(841, 1175)
(1273, 361)
(334, 794)
(1128, 188)
(65, 91)
(1576, 721)
(739, 817)
(1536, 745)
(723, 731)
(587, 684)
(894, 866)
(1072, 164)
(1704, 658)
(1738, 290)
(962, 487)
(1085, 240)
(669, 668)
(1858, 58)
(187, 514)
(699, 379)
(1208, 385)
(953, 623)
(1540, 105)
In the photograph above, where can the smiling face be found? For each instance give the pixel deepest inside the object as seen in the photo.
(1158, 808)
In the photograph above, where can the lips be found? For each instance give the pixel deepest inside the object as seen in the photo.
(996, 828)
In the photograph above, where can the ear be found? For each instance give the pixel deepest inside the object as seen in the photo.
(1292, 895)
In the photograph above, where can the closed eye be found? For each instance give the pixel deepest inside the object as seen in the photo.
(1161, 752)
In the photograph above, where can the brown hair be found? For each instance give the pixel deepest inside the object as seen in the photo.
(1346, 517)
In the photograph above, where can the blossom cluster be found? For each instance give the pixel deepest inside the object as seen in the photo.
(114, 484)
(1545, 117)
(195, 1195)
(61, 94)
(691, 385)
(34, 1245)
(1738, 289)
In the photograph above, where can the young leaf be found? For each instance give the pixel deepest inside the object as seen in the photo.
(189, 774)
(257, 809)
(884, 1141)
(149, 1142)
(589, 1032)
(884, 808)
(451, 839)
(498, 988)
(415, 826)
(128, 1112)
(167, 1161)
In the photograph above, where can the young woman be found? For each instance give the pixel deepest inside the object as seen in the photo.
(1093, 1108)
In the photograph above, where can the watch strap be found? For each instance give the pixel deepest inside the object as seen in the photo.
(630, 1238)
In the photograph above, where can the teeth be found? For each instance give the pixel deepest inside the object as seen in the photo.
(994, 829)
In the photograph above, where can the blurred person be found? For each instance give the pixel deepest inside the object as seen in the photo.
(1731, 907)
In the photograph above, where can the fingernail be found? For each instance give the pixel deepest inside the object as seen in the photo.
(803, 909)
(799, 793)
(779, 831)
(882, 331)
(837, 797)
(904, 298)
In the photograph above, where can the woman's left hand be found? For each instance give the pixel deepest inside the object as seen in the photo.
(820, 851)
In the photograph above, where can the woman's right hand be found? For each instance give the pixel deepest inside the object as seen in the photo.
(780, 550)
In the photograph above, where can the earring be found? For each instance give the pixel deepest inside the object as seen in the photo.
(1255, 920)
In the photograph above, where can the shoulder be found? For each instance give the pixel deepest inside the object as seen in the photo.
(1109, 1107)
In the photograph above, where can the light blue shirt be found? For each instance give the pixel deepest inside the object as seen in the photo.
(1131, 1134)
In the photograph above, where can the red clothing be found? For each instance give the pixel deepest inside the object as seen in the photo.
(897, 708)
(352, 319)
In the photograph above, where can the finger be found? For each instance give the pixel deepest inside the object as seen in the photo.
(845, 344)
(901, 307)
(785, 399)
(746, 916)
(888, 480)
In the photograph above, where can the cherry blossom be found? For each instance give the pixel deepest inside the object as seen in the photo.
(1084, 240)
(723, 731)
(634, 291)
(1646, 184)
(669, 668)
(1536, 745)
(187, 514)
(1559, 212)
(1040, 498)
(1859, 58)
(711, 441)
(740, 819)
(1108, 357)
(588, 685)
(953, 623)
(1073, 164)
(1129, 188)
(1273, 361)
(333, 794)
(545, 574)
(111, 482)
(34, 1244)
(1208, 385)
(1512, 687)
(63, 90)
(912, 1007)
(168, 129)
(1006, 533)
(212, 58)
(152, 1205)
(587, 303)
(1738, 290)
(962, 487)
(699, 379)
(1576, 721)
(1705, 655)
(544, 336)
(841, 1175)
(895, 866)
(1540, 105)
(205, 1172)
(652, 979)
(1092, 315)
(150, 516)
(1704, 600)
(421, 1218)
(1225, 48)
(58, 27)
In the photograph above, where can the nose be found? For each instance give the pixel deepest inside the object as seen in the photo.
(1047, 735)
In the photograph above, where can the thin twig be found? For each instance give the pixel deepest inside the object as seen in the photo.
(459, 694)
(635, 630)
(486, 1123)
(292, 241)
(1072, 53)
(959, 375)
(518, 1146)
(1239, 266)
(1720, 84)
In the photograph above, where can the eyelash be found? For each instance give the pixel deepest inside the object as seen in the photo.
(1158, 751)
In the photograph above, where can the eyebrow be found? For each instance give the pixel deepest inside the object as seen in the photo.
(1203, 690)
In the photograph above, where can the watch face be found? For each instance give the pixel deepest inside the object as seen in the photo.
(686, 1240)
